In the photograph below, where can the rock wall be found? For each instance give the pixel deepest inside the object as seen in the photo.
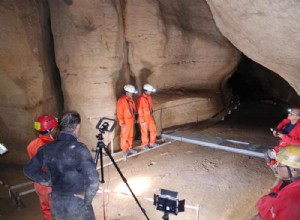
(254, 81)
(164, 47)
(265, 31)
(28, 76)
(89, 52)
(173, 45)
(78, 55)
(178, 49)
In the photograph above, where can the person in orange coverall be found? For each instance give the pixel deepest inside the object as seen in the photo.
(126, 116)
(146, 120)
(46, 127)
(282, 203)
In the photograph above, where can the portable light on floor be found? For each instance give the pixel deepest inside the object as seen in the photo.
(168, 203)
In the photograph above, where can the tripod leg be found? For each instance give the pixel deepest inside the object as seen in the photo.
(101, 164)
(99, 151)
(166, 216)
(125, 181)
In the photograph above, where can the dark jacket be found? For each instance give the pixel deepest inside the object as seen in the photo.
(69, 165)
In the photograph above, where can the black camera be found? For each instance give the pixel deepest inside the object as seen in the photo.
(168, 203)
(106, 124)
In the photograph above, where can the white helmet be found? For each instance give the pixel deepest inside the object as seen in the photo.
(150, 88)
(129, 88)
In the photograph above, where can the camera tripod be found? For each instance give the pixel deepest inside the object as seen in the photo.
(165, 216)
(100, 146)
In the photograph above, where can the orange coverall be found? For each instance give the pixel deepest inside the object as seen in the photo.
(42, 191)
(146, 120)
(126, 116)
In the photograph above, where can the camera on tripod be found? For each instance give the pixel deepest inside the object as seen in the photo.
(106, 124)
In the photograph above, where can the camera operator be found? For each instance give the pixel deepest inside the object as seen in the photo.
(70, 171)
(288, 130)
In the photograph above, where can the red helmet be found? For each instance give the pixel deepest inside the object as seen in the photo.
(45, 122)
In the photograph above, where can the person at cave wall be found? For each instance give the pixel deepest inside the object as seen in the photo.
(146, 119)
(288, 130)
(46, 126)
(126, 111)
(282, 202)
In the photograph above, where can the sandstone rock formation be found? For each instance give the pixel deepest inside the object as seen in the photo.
(63, 55)
(268, 32)
(89, 52)
(28, 76)
(177, 48)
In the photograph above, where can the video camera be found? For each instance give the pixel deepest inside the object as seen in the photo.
(168, 203)
(106, 124)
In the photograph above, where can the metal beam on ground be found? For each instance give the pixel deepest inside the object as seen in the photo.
(215, 146)
(119, 156)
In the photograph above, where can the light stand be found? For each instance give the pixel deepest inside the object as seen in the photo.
(102, 127)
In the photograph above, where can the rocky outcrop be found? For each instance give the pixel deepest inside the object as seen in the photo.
(78, 55)
(178, 49)
(265, 31)
(89, 52)
(171, 46)
(28, 76)
(175, 44)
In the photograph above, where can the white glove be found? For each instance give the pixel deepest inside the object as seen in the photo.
(271, 154)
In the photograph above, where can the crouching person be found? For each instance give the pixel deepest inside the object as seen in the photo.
(67, 166)
(282, 203)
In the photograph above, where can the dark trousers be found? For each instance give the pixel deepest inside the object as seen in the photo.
(70, 208)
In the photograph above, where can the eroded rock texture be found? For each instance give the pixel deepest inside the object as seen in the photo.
(89, 52)
(78, 55)
(176, 46)
(28, 77)
(268, 32)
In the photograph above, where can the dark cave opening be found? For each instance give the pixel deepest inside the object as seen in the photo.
(252, 81)
(263, 91)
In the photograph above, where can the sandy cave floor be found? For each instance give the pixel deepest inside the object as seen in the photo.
(224, 185)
